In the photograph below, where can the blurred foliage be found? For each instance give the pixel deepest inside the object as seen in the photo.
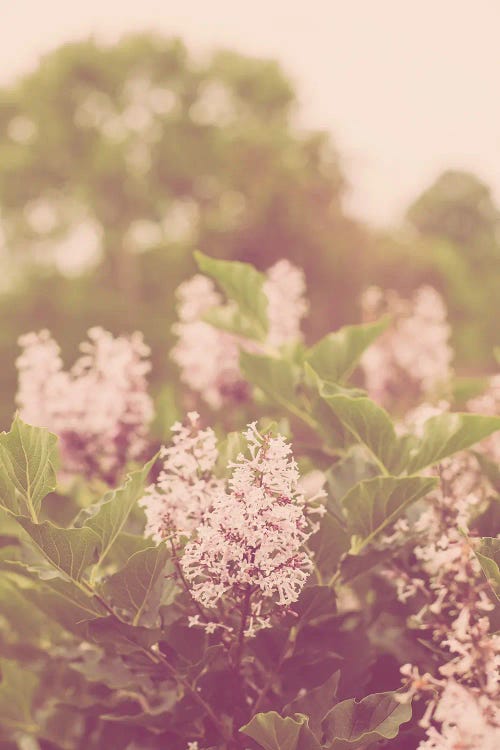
(119, 160)
(458, 217)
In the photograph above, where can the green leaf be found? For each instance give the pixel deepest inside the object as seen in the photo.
(352, 724)
(328, 544)
(315, 604)
(277, 378)
(17, 690)
(335, 357)
(27, 459)
(230, 318)
(137, 587)
(243, 284)
(66, 603)
(369, 423)
(120, 637)
(69, 550)
(371, 505)
(108, 517)
(446, 434)
(356, 565)
(273, 732)
(316, 703)
(488, 555)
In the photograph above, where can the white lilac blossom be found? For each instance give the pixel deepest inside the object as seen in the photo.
(249, 547)
(100, 408)
(208, 358)
(186, 486)
(489, 404)
(412, 358)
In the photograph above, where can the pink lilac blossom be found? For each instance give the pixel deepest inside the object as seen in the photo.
(249, 547)
(454, 613)
(100, 408)
(457, 717)
(208, 358)
(412, 358)
(186, 487)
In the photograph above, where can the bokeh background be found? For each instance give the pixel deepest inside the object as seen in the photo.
(361, 140)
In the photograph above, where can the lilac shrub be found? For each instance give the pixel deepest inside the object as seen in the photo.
(326, 577)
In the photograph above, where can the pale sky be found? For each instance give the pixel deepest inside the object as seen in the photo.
(406, 87)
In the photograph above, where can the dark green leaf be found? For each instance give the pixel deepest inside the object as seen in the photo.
(137, 587)
(314, 604)
(316, 703)
(328, 544)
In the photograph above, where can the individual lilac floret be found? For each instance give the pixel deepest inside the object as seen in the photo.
(186, 487)
(208, 357)
(100, 409)
(412, 359)
(249, 548)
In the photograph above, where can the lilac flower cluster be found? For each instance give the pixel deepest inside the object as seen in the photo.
(208, 358)
(247, 534)
(455, 609)
(412, 358)
(186, 486)
(100, 408)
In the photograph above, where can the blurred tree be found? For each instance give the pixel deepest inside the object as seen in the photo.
(459, 207)
(119, 160)
(459, 223)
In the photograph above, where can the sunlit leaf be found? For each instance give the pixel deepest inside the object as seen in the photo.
(277, 378)
(17, 688)
(446, 434)
(27, 459)
(71, 551)
(368, 423)
(108, 517)
(273, 732)
(354, 724)
(336, 355)
(488, 555)
(242, 284)
(371, 505)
